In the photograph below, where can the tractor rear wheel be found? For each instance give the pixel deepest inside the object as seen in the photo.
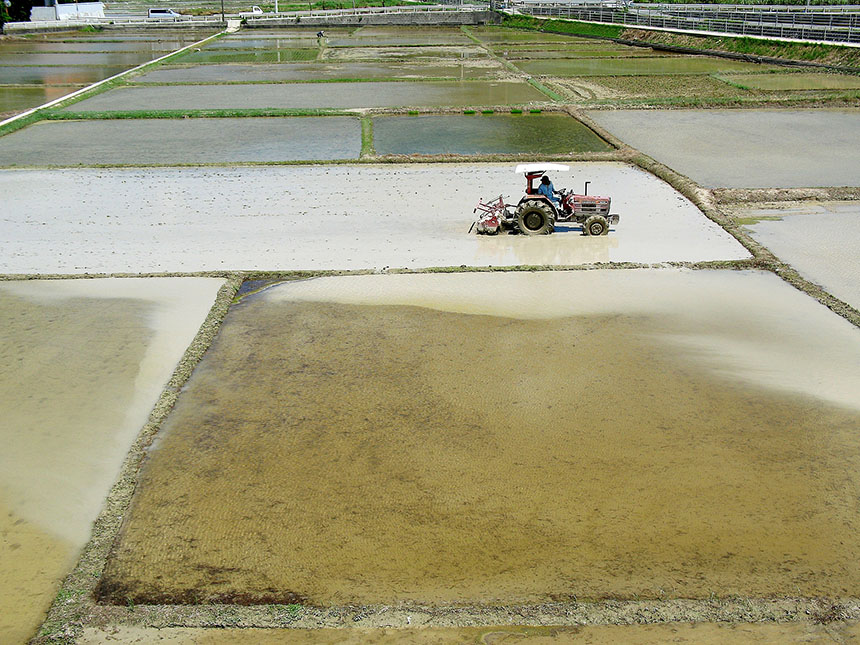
(534, 217)
(595, 225)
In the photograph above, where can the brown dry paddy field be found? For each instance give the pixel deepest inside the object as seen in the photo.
(260, 385)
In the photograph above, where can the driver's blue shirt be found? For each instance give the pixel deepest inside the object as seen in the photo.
(547, 190)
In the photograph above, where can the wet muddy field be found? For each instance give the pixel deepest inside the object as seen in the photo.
(746, 148)
(819, 239)
(634, 66)
(683, 633)
(795, 81)
(82, 364)
(416, 215)
(233, 72)
(58, 62)
(526, 430)
(18, 99)
(54, 75)
(165, 141)
(491, 439)
(472, 134)
(313, 95)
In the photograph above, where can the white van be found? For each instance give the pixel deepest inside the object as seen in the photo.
(163, 13)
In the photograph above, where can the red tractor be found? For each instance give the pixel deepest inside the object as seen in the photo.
(536, 214)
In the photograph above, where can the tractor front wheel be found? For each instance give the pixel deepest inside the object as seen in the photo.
(534, 218)
(595, 225)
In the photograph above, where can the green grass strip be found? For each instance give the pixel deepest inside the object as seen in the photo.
(572, 27)
(203, 114)
(543, 88)
(367, 148)
(9, 128)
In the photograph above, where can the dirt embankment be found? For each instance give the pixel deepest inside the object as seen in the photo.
(832, 55)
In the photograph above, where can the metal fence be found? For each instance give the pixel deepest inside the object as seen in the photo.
(831, 23)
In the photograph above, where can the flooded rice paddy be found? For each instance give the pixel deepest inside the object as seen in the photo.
(499, 438)
(415, 215)
(18, 99)
(111, 59)
(313, 95)
(746, 148)
(214, 73)
(165, 141)
(231, 42)
(465, 135)
(57, 62)
(820, 240)
(402, 53)
(635, 66)
(427, 39)
(578, 54)
(83, 361)
(248, 56)
(28, 46)
(55, 75)
(795, 81)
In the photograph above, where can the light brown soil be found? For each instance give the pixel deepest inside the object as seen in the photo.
(320, 456)
(698, 634)
(648, 87)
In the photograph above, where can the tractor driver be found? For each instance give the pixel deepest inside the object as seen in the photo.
(547, 190)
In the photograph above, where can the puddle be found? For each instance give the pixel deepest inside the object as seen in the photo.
(507, 438)
(819, 240)
(795, 81)
(298, 72)
(465, 135)
(190, 219)
(636, 66)
(56, 74)
(746, 148)
(164, 141)
(313, 95)
(83, 361)
(693, 633)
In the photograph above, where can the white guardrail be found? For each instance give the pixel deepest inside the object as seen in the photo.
(836, 23)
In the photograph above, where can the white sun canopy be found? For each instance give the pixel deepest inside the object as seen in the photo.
(541, 167)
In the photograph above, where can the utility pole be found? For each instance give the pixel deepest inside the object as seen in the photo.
(222, 12)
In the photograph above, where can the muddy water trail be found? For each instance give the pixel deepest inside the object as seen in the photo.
(81, 363)
(423, 438)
